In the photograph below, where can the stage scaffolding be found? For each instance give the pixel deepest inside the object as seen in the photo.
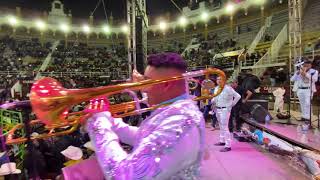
(137, 37)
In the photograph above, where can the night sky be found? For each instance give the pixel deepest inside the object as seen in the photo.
(82, 8)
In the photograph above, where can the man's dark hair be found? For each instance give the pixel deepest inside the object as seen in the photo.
(167, 60)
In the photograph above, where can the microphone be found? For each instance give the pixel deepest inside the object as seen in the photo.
(19, 104)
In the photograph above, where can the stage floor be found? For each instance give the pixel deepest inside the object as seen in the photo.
(245, 162)
(309, 140)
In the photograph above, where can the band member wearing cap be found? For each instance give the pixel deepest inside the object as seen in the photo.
(304, 88)
(167, 145)
(223, 104)
(73, 155)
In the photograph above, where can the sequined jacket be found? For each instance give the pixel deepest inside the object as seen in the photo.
(168, 145)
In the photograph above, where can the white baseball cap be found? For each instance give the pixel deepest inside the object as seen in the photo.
(34, 134)
(89, 145)
(9, 168)
(73, 153)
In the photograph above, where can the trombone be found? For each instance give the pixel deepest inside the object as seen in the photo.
(51, 102)
(193, 84)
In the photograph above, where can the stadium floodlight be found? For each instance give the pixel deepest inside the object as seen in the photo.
(13, 21)
(125, 29)
(230, 8)
(106, 29)
(204, 16)
(163, 25)
(40, 25)
(86, 29)
(260, 2)
(183, 21)
(64, 27)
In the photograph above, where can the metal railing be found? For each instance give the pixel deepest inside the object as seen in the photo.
(89, 74)
(280, 40)
(46, 62)
(260, 35)
(190, 46)
(65, 74)
(271, 57)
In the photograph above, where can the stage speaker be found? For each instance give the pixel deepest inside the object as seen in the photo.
(260, 114)
(140, 53)
(264, 103)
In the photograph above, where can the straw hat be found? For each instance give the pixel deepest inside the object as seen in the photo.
(73, 153)
(9, 168)
(89, 145)
(34, 134)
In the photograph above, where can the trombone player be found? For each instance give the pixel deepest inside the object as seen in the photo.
(168, 144)
(304, 79)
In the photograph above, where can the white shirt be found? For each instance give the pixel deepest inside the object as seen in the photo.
(228, 97)
(300, 81)
(144, 99)
(279, 93)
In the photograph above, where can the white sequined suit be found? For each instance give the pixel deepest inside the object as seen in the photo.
(168, 145)
(222, 105)
(302, 86)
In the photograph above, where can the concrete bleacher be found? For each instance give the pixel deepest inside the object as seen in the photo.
(311, 21)
(278, 21)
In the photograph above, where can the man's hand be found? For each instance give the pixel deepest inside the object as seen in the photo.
(136, 76)
(96, 106)
(107, 121)
(213, 105)
(303, 71)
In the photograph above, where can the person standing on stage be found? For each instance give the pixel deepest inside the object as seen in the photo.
(235, 111)
(223, 104)
(305, 78)
(168, 144)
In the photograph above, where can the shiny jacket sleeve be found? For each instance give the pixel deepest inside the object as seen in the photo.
(295, 77)
(315, 76)
(126, 133)
(173, 145)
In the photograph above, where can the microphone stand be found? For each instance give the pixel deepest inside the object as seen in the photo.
(289, 101)
(318, 114)
(310, 109)
(289, 122)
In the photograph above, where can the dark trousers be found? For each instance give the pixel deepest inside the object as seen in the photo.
(206, 110)
(214, 120)
(235, 117)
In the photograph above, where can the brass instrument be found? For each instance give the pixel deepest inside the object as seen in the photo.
(206, 86)
(193, 84)
(51, 102)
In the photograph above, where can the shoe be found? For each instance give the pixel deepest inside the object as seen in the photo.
(225, 149)
(213, 129)
(220, 144)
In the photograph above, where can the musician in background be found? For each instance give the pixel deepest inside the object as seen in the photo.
(160, 140)
(304, 85)
(206, 89)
